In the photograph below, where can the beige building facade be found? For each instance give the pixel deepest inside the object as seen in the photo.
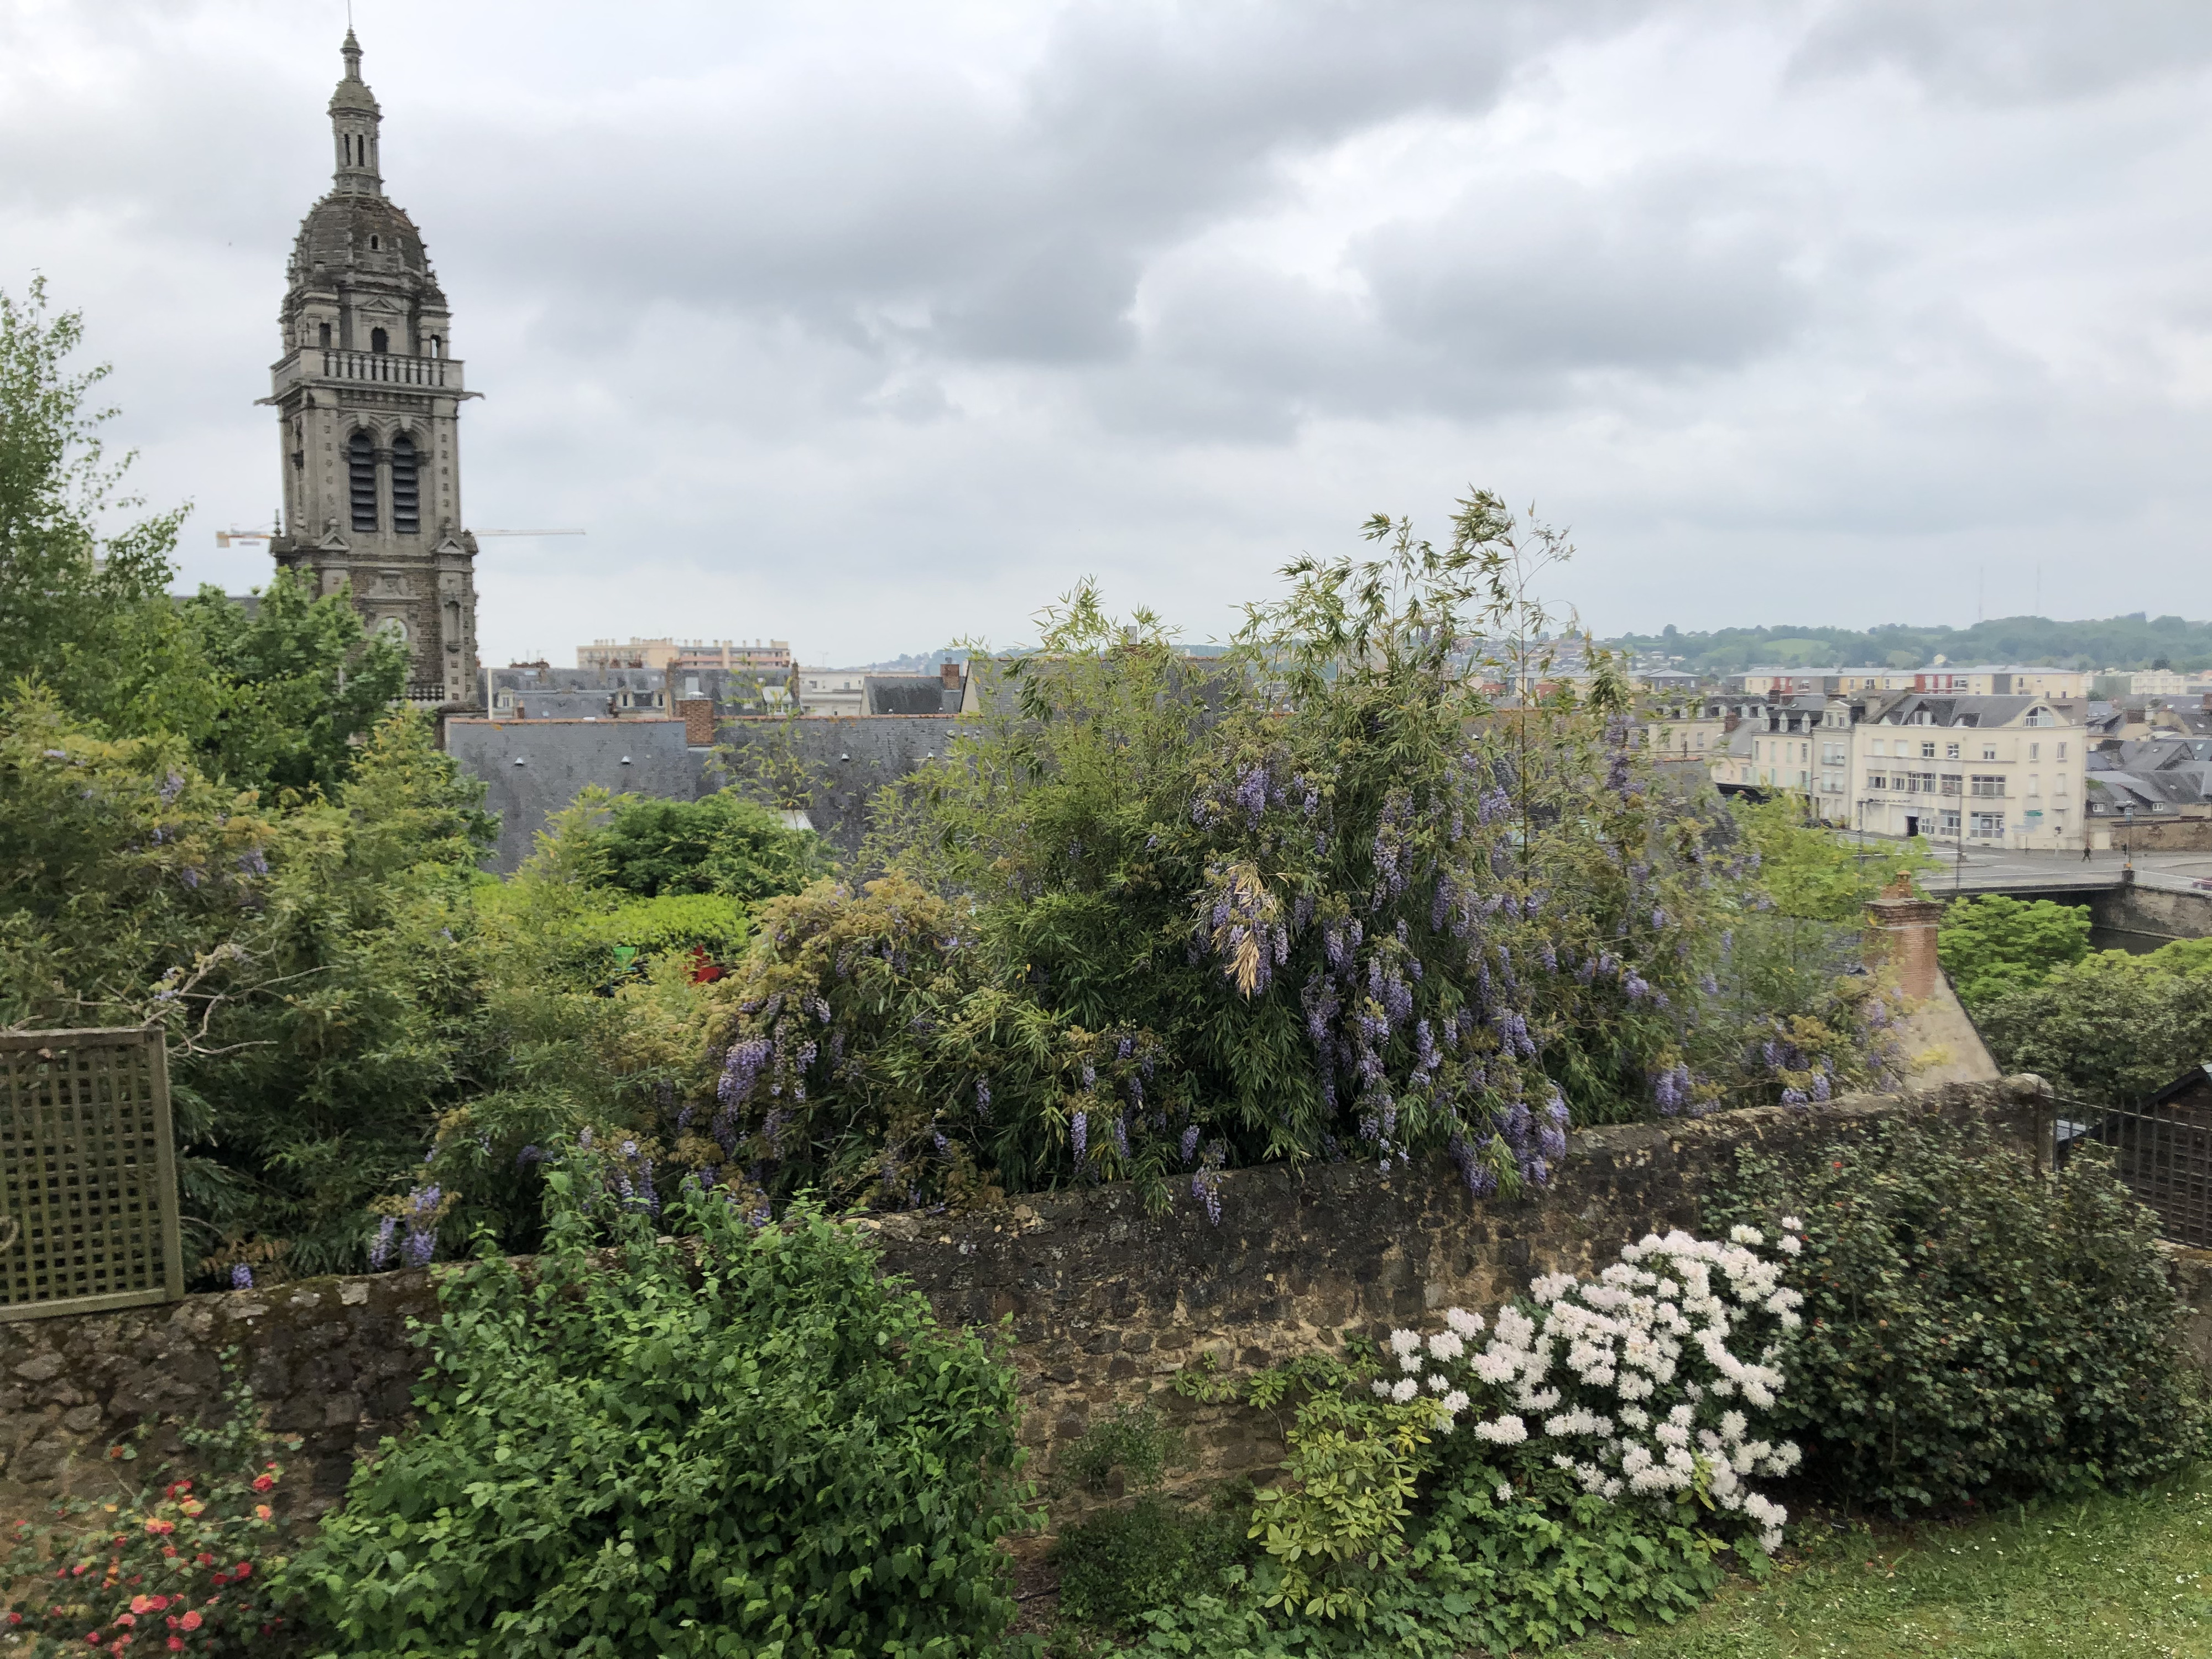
(1989, 771)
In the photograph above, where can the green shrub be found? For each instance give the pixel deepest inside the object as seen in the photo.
(1122, 1562)
(2112, 1027)
(1993, 945)
(722, 843)
(1973, 1328)
(738, 1443)
(1134, 1440)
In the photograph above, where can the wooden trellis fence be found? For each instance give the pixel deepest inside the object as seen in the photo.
(88, 1174)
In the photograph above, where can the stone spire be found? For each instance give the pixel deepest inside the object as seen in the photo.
(353, 120)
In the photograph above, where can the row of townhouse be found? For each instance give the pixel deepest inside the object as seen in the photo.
(1992, 771)
(1973, 680)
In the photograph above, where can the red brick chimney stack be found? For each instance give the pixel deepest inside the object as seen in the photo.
(1902, 925)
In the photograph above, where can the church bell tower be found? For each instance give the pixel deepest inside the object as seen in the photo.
(367, 396)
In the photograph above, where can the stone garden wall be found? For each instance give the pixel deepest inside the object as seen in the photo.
(1107, 1302)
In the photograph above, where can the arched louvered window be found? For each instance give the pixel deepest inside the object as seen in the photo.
(361, 479)
(406, 499)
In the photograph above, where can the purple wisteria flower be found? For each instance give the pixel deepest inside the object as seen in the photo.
(242, 1276)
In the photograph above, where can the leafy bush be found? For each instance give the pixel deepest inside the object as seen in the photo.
(722, 843)
(187, 1571)
(2112, 1028)
(1318, 897)
(1134, 1441)
(741, 1441)
(1992, 944)
(1973, 1329)
(1120, 1564)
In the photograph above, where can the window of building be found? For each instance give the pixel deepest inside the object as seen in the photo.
(323, 336)
(2061, 751)
(1989, 825)
(1928, 751)
(1985, 784)
(1950, 782)
(1877, 781)
(1878, 748)
(1950, 752)
(1920, 783)
(2035, 751)
(1989, 751)
(2034, 783)
(372, 243)
(1947, 821)
(406, 496)
(360, 480)
(378, 340)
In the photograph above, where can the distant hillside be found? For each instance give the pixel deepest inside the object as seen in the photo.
(2130, 641)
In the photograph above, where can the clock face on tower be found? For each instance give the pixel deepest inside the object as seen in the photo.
(368, 393)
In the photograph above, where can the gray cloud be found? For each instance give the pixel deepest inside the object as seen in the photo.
(2010, 51)
(871, 325)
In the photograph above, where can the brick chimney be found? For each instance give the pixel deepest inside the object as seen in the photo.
(1901, 926)
(697, 715)
(948, 676)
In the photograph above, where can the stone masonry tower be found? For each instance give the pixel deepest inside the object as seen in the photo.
(367, 396)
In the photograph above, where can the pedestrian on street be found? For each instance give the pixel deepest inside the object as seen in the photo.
(2085, 849)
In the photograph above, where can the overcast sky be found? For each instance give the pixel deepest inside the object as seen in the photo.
(872, 324)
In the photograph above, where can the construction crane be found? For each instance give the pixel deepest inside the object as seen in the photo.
(225, 537)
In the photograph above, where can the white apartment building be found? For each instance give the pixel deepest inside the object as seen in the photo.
(1995, 771)
(833, 690)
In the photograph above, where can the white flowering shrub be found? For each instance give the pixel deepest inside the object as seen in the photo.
(1656, 1378)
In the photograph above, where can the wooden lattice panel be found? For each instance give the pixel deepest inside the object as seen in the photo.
(88, 1174)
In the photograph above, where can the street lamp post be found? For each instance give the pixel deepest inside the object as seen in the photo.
(2127, 843)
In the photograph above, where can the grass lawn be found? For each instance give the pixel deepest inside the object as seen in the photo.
(2105, 1577)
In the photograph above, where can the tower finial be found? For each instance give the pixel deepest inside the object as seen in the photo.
(354, 117)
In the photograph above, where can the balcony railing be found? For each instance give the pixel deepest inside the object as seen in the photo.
(426, 694)
(377, 367)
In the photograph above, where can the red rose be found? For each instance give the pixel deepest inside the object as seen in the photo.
(262, 1482)
(190, 1620)
(243, 1569)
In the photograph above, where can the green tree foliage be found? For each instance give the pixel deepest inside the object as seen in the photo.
(125, 876)
(723, 844)
(295, 684)
(2112, 1028)
(1993, 945)
(1815, 874)
(1973, 1328)
(84, 612)
(744, 1442)
(347, 1022)
(1317, 897)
